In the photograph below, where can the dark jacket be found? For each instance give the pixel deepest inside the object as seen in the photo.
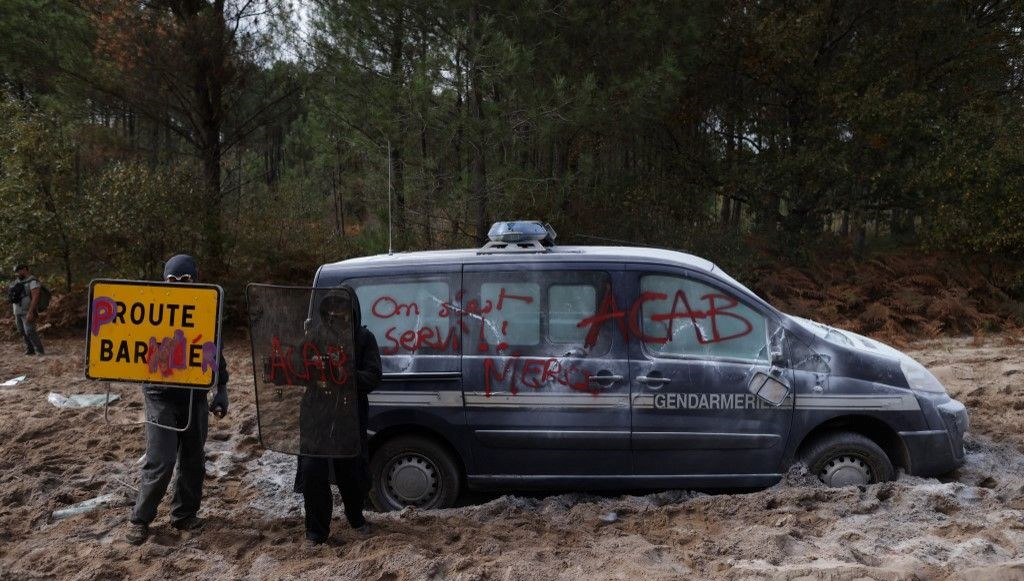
(322, 405)
(367, 364)
(181, 394)
(367, 371)
(178, 265)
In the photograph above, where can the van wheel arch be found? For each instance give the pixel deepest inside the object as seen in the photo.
(426, 454)
(874, 429)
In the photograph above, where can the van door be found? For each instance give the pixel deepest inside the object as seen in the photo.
(547, 395)
(699, 352)
(419, 336)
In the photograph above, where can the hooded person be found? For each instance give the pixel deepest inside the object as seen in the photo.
(184, 446)
(312, 476)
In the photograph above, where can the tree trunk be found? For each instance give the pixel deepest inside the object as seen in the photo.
(213, 243)
(734, 220)
(478, 165)
(339, 200)
(725, 216)
(396, 159)
(210, 76)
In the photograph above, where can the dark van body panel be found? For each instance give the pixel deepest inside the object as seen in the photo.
(613, 407)
(532, 411)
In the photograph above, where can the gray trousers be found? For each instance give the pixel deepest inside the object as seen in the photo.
(28, 332)
(164, 448)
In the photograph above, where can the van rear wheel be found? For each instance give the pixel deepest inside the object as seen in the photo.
(413, 471)
(847, 459)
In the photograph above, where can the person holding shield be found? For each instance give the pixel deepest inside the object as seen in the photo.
(312, 477)
(170, 406)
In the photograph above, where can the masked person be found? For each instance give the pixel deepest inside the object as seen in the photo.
(312, 477)
(170, 406)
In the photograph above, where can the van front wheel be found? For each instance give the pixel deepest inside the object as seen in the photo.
(413, 471)
(847, 459)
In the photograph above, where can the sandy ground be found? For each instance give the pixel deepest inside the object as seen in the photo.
(966, 526)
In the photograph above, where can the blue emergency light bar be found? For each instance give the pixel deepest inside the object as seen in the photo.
(520, 231)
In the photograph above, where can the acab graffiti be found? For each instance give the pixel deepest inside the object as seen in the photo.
(308, 362)
(628, 320)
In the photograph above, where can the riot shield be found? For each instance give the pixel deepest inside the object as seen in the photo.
(302, 351)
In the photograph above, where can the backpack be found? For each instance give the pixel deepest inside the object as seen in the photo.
(15, 293)
(44, 298)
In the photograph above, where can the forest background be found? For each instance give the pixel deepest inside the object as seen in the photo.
(859, 162)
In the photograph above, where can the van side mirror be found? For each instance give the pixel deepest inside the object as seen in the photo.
(771, 389)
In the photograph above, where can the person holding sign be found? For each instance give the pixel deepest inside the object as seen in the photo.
(312, 477)
(170, 406)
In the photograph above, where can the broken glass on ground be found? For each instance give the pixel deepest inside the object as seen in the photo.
(14, 381)
(82, 400)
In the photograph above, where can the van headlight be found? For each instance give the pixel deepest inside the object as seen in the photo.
(919, 378)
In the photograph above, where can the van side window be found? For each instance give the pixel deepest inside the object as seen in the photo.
(409, 316)
(687, 318)
(535, 313)
(568, 304)
(519, 304)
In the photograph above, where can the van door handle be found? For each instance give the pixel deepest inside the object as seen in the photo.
(654, 382)
(604, 380)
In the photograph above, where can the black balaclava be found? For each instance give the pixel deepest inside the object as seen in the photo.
(357, 318)
(334, 297)
(180, 264)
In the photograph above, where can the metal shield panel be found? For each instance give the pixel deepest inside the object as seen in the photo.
(303, 349)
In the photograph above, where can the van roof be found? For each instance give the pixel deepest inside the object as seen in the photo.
(632, 254)
(556, 253)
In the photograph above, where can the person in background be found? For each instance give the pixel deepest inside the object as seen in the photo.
(25, 312)
(169, 406)
(312, 477)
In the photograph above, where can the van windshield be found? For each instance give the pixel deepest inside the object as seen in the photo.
(825, 332)
(725, 276)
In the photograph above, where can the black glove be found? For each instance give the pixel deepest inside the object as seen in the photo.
(219, 405)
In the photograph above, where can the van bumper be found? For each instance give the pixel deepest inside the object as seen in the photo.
(935, 452)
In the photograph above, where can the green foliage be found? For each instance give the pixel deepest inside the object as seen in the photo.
(712, 127)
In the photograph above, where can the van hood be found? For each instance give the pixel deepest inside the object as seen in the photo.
(857, 356)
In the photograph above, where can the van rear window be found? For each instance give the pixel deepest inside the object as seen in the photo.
(409, 316)
(535, 313)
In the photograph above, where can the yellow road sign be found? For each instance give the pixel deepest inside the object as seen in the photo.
(153, 332)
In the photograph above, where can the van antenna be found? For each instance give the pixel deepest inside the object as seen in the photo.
(390, 248)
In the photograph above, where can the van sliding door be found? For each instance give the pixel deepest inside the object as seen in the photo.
(545, 384)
